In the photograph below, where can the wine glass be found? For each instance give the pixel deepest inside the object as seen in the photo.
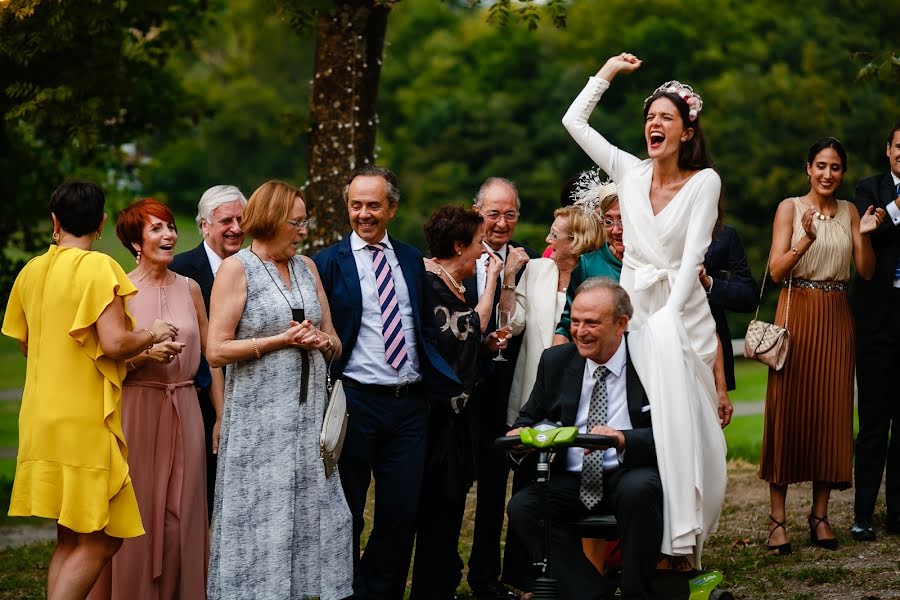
(502, 332)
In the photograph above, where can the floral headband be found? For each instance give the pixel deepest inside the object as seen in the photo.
(685, 92)
(590, 190)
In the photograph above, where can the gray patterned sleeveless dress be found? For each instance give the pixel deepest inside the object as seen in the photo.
(280, 529)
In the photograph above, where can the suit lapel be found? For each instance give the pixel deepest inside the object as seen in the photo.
(204, 274)
(350, 274)
(408, 267)
(634, 390)
(886, 191)
(570, 390)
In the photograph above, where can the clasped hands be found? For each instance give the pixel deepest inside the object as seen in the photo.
(305, 336)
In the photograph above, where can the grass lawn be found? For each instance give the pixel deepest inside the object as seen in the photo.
(12, 364)
(750, 379)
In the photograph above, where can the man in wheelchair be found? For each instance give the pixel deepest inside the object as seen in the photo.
(591, 384)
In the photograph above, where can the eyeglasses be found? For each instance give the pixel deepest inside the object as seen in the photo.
(511, 216)
(555, 236)
(298, 224)
(609, 223)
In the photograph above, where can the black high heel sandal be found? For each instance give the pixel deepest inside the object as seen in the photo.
(780, 549)
(814, 522)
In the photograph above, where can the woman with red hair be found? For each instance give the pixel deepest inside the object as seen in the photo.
(162, 423)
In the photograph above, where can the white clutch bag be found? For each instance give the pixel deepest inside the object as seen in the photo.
(334, 427)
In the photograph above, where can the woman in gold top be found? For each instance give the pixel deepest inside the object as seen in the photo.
(67, 311)
(808, 431)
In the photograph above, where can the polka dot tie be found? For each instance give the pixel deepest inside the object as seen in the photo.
(591, 491)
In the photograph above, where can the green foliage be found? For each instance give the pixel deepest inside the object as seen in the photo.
(251, 73)
(78, 80)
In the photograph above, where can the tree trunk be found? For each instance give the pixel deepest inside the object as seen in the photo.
(343, 116)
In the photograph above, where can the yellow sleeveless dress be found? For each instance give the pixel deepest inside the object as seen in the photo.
(71, 464)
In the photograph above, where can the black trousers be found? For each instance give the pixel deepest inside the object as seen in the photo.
(386, 438)
(633, 495)
(437, 570)
(209, 421)
(878, 403)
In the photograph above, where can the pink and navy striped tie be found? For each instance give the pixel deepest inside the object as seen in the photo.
(392, 327)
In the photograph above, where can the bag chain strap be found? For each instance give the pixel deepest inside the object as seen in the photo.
(762, 287)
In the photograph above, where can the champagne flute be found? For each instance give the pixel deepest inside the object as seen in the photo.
(502, 332)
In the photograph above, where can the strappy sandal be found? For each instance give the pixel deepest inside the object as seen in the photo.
(780, 549)
(814, 539)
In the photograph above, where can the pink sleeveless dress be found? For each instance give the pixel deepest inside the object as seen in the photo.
(167, 458)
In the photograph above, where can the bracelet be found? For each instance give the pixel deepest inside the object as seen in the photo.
(256, 348)
(128, 363)
(506, 286)
(795, 251)
(152, 338)
(330, 343)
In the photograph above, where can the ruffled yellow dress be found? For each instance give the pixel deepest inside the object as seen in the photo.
(72, 460)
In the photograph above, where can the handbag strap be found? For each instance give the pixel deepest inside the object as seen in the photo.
(762, 287)
(328, 385)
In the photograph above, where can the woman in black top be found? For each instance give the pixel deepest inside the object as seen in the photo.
(454, 236)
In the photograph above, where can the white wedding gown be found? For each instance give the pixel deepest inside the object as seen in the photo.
(673, 336)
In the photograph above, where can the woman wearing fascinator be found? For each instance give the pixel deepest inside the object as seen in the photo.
(669, 205)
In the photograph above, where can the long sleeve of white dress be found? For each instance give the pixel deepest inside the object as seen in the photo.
(672, 341)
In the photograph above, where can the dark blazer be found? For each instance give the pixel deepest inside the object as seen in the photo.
(733, 288)
(871, 300)
(337, 269)
(471, 294)
(557, 392)
(195, 264)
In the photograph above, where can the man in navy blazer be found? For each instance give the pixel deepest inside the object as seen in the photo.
(565, 392)
(386, 386)
(219, 219)
(876, 314)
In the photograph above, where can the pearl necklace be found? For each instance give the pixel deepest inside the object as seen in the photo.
(459, 287)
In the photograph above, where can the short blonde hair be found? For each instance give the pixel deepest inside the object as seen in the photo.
(587, 232)
(268, 207)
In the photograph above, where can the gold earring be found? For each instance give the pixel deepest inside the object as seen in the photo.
(99, 235)
(137, 258)
(55, 236)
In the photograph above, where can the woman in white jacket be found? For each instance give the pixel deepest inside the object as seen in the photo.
(538, 299)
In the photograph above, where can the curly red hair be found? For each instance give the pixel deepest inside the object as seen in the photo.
(131, 220)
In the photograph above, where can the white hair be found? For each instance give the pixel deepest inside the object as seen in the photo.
(215, 197)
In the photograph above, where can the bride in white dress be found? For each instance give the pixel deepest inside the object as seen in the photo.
(669, 205)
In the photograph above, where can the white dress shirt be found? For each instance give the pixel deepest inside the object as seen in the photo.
(367, 363)
(617, 408)
(214, 259)
(481, 269)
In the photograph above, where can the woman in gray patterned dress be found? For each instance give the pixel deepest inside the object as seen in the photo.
(280, 529)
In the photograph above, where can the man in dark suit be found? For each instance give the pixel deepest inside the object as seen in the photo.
(374, 285)
(729, 285)
(498, 202)
(876, 312)
(219, 219)
(591, 384)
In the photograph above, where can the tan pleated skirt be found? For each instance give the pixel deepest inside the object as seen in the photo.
(808, 433)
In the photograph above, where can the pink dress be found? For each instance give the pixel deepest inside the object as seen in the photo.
(166, 455)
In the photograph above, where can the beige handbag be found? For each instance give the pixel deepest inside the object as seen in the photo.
(766, 342)
(334, 427)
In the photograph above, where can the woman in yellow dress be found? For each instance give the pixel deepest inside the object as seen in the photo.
(67, 311)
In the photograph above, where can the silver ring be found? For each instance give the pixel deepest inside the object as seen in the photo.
(171, 356)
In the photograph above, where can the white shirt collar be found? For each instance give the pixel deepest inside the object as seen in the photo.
(357, 243)
(895, 178)
(615, 364)
(502, 252)
(214, 259)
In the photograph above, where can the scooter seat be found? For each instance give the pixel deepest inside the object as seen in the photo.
(596, 526)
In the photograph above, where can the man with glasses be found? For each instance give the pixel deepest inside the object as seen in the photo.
(498, 202)
(219, 219)
(374, 284)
